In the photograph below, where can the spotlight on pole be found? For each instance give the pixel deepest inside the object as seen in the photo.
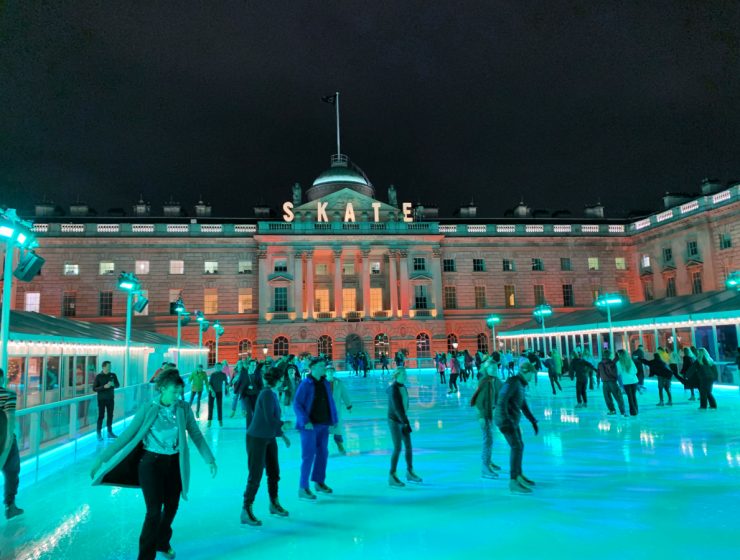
(733, 280)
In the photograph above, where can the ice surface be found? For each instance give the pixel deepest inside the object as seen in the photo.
(665, 484)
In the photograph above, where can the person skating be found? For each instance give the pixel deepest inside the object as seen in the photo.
(637, 357)
(609, 381)
(153, 453)
(454, 371)
(510, 405)
(582, 370)
(659, 368)
(400, 428)
(441, 367)
(218, 384)
(262, 449)
(627, 372)
(484, 400)
(554, 365)
(198, 381)
(105, 383)
(688, 360)
(341, 398)
(249, 387)
(315, 412)
(703, 374)
(10, 459)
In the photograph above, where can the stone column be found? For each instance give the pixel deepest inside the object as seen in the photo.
(298, 284)
(365, 283)
(264, 297)
(437, 280)
(337, 283)
(393, 282)
(405, 296)
(310, 296)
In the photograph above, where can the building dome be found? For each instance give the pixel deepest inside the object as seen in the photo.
(342, 174)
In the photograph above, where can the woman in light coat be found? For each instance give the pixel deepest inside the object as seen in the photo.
(341, 397)
(627, 372)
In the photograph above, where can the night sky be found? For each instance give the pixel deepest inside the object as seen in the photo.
(561, 103)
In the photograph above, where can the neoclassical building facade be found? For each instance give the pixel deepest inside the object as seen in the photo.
(336, 270)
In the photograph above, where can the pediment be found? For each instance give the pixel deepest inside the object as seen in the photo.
(279, 278)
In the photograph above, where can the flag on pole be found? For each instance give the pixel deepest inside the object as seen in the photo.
(330, 99)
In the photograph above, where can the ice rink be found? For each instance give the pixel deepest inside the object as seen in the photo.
(665, 484)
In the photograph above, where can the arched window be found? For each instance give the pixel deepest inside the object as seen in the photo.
(324, 346)
(451, 342)
(483, 342)
(423, 348)
(280, 346)
(211, 352)
(382, 345)
(245, 348)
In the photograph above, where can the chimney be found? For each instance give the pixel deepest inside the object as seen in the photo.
(522, 210)
(172, 208)
(44, 209)
(142, 208)
(675, 199)
(711, 186)
(202, 210)
(594, 211)
(79, 209)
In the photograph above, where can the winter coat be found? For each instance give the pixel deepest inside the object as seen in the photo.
(582, 368)
(629, 377)
(485, 396)
(398, 403)
(607, 371)
(511, 403)
(303, 400)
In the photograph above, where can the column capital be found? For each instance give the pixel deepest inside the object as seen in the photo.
(298, 254)
(437, 252)
(308, 253)
(403, 253)
(262, 253)
(365, 252)
(337, 252)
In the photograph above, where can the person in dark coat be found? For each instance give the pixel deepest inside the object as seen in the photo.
(658, 368)
(637, 356)
(510, 406)
(582, 370)
(610, 381)
(105, 383)
(400, 428)
(249, 386)
(703, 373)
(688, 360)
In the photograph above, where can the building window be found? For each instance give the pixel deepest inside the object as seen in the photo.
(324, 346)
(322, 269)
(482, 340)
(423, 348)
(692, 248)
(448, 265)
(142, 294)
(382, 345)
(375, 267)
(105, 307)
(210, 267)
(565, 264)
(69, 304)
(107, 267)
(568, 299)
(509, 296)
(508, 265)
(538, 265)
(32, 302)
(667, 255)
(645, 261)
(480, 297)
(420, 264)
(420, 297)
(452, 342)
(479, 265)
(647, 290)
(210, 301)
(670, 287)
(348, 269)
(539, 294)
(73, 269)
(280, 346)
(376, 300)
(177, 267)
(142, 267)
(245, 300)
(725, 240)
(620, 263)
(245, 348)
(244, 267)
(450, 297)
(175, 294)
(593, 263)
(281, 299)
(211, 352)
(321, 300)
(349, 299)
(281, 265)
(696, 287)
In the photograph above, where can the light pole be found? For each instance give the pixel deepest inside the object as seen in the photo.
(180, 310)
(129, 283)
(733, 280)
(491, 322)
(203, 325)
(607, 301)
(16, 233)
(219, 330)
(539, 314)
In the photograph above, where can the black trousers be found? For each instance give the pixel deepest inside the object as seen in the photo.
(581, 391)
(159, 477)
(219, 398)
(453, 381)
(664, 384)
(442, 377)
(554, 381)
(103, 406)
(262, 453)
(193, 394)
(611, 390)
(399, 438)
(631, 391)
(514, 439)
(11, 471)
(705, 394)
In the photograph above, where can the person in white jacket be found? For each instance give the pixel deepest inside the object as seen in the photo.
(341, 398)
(627, 372)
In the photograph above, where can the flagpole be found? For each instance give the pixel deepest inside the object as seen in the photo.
(339, 145)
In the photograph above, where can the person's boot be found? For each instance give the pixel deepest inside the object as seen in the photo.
(529, 482)
(488, 472)
(323, 488)
(100, 436)
(494, 467)
(306, 494)
(411, 476)
(248, 518)
(394, 481)
(277, 509)
(12, 511)
(517, 488)
(111, 435)
(525, 482)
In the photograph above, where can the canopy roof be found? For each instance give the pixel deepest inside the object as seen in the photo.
(711, 307)
(30, 326)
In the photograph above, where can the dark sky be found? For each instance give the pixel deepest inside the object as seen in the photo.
(561, 103)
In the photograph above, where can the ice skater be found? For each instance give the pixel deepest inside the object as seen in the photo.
(198, 381)
(262, 449)
(484, 400)
(400, 428)
(627, 372)
(582, 369)
(610, 382)
(510, 405)
(341, 399)
(10, 459)
(554, 365)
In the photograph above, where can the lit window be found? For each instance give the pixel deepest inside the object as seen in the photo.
(620, 263)
(375, 267)
(508, 265)
(480, 297)
(245, 300)
(324, 346)
(423, 348)
(322, 269)
(210, 267)
(72, 269)
(348, 269)
(565, 264)
(245, 348)
(509, 296)
(349, 299)
(281, 265)
(69, 304)
(177, 267)
(645, 261)
(420, 264)
(479, 265)
(450, 301)
(376, 300)
(244, 267)
(321, 300)
(210, 301)
(538, 265)
(32, 302)
(107, 267)
(175, 294)
(448, 265)
(593, 263)
(142, 267)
